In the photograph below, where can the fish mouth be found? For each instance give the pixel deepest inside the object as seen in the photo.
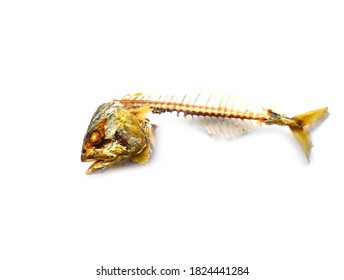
(88, 158)
(84, 159)
(87, 155)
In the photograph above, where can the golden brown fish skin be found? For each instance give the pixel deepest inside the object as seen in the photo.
(115, 136)
(279, 119)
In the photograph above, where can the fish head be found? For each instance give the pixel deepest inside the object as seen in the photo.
(115, 136)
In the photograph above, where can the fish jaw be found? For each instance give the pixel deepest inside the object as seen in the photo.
(101, 165)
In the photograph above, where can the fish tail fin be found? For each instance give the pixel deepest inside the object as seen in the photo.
(302, 124)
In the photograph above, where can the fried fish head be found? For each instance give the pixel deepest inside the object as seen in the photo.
(117, 135)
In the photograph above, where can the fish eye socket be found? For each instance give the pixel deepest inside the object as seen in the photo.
(95, 138)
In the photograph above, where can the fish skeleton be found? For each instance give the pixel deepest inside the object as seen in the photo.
(120, 132)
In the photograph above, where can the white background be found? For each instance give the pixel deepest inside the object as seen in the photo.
(200, 201)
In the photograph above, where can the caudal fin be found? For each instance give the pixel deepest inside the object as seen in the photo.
(303, 122)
